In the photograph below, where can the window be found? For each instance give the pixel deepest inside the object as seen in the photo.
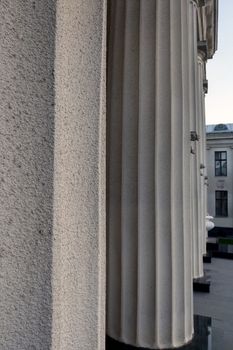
(221, 163)
(221, 203)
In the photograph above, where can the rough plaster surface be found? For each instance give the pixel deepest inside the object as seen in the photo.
(79, 182)
(26, 172)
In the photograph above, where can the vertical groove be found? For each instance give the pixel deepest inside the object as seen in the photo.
(172, 173)
(146, 187)
(130, 174)
(115, 81)
(185, 167)
(163, 168)
(177, 188)
(187, 248)
(156, 298)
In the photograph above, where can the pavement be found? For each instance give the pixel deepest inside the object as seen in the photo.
(218, 304)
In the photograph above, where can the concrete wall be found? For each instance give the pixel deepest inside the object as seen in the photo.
(26, 172)
(52, 212)
(79, 183)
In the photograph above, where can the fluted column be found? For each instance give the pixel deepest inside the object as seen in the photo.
(199, 160)
(201, 131)
(79, 179)
(149, 289)
(197, 240)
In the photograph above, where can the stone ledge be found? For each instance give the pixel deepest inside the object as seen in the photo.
(201, 285)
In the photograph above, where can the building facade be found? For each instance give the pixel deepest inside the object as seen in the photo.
(102, 146)
(220, 176)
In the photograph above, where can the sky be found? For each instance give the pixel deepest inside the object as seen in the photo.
(219, 100)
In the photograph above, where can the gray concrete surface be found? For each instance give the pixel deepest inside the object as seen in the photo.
(218, 304)
(27, 31)
(79, 177)
(46, 232)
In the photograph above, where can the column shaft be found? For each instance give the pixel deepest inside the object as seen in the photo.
(201, 103)
(199, 159)
(197, 229)
(149, 245)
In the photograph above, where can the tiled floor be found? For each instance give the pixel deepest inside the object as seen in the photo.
(218, 304)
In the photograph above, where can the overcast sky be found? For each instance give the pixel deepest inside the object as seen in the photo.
(219, 100)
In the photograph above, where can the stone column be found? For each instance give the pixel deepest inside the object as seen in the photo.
(197, 239)
(26, 167)
(149, 241)
(202, 147)
(79, 179)
(199, 160)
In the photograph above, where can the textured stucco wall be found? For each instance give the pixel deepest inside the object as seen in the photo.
(34, 190)
(26, 172)
(79, 178)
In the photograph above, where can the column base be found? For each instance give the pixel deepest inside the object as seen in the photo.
(201, 339)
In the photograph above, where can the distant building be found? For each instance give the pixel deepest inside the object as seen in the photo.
(219, 140)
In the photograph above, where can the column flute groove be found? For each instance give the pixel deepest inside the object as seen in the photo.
(146, 174)
(188, 304)
(163, 181)
(114, 193)
(129, 213)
